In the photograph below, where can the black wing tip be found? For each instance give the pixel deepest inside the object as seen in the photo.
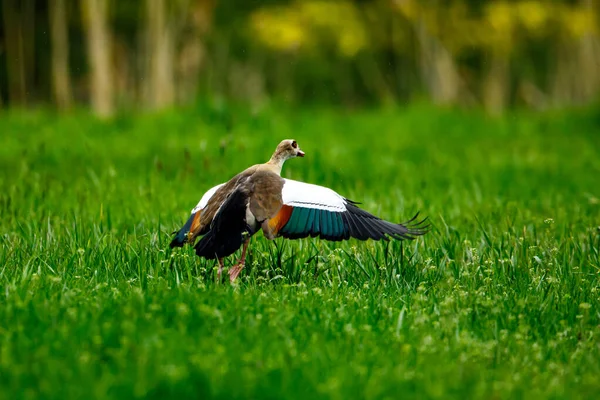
(354, 203)
(176, 243)
(179, 240)
(364, 225)
(181, 236)
(415, 227)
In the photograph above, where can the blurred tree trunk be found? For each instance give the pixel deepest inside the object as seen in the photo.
(562, 89)
(161, 84)
(576, 78)
(495, 87)
(61, 83)
(19, 33)
(28, 24)
(192, 56)
(438, 69)
(588, 59)
(124, 71)
(377, 19)
(95, 20)
(13, 42)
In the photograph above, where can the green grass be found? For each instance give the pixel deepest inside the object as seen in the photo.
(499, 300)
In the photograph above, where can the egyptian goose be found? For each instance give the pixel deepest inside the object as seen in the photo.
(259, 198)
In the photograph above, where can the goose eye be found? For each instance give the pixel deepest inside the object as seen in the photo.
(294, 144)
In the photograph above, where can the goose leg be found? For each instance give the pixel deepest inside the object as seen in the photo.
(237, 268)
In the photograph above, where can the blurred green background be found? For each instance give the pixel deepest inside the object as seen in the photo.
(116, 116)
(152, 54)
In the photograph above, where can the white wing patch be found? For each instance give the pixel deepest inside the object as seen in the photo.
(297, 194)
(307, 195)
(205, 198)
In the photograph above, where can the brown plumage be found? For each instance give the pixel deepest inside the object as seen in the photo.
(257, 189)
(258, 198)
(255, 200)
(285, 150)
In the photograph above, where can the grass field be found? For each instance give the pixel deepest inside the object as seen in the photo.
(500, 300)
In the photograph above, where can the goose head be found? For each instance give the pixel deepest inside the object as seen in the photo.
(285, 150)
(288, 149)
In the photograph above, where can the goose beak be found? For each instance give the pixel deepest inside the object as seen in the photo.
(300, 153)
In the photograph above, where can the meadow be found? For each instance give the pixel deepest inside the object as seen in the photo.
(500, 300)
